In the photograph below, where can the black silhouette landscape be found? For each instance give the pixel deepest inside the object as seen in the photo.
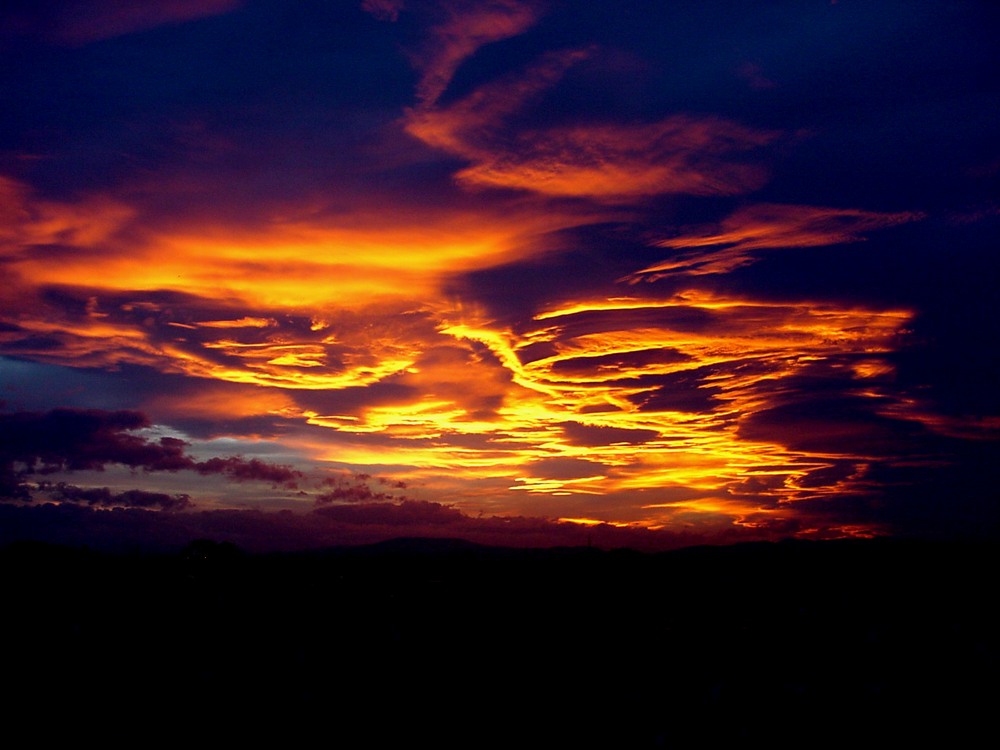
(445, 642)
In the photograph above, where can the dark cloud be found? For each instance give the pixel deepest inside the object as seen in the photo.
(125, 529)
(619, 361)
(685, 391)
(584, 434)
(243, 469)
(348, 400)
(565, 468)
(91, 439)
(356, 488)
(104, 497)
(77, 439)
(409, 513)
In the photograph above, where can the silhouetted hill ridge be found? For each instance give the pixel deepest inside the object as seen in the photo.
(705, 645)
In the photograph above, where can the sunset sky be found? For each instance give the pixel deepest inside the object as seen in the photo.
(637, 274)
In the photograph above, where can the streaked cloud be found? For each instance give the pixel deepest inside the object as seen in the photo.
(776, 225)
(682, 154)
(86, 21)
(686, 154)
(467, 27)
(766, 226)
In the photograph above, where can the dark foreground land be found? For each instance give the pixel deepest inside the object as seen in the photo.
(415, 643)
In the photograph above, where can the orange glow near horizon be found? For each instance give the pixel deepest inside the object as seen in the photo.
(547, 417)
(567, 405)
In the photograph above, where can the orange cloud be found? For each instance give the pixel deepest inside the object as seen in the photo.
(680, 154)
(605, 367)
(243, 322)
(26, 221)
(771, 225)
(469, 26)
(348, 261)
(224, 402)
(603, 417)
(341, 325)
(467, 126)
(608, 162)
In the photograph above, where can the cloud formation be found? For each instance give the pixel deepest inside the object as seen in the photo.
(405, 265)
(126, 528)
(763, 227)
(467, 27)
(775, 225)
(104, 497)
(605, 161)
(72, 440)
(80, 22)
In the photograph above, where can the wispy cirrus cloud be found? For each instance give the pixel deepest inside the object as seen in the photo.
(384, 10)
(681, 154)
(762, 227)
(770, 225)
(82, 22)
(467, 26)
(27, 220)
(612, 162)
(605, 161)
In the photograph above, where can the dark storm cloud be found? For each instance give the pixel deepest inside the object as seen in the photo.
(177, 111)
(357, 488)
(384, 10)
(730, 246)
(104, 497)
(242, 469)
(924, 496)
(90, 439)
(597, 253)
(77, 439)
(349, 400)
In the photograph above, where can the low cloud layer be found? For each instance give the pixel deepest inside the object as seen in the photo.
(71, 440)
